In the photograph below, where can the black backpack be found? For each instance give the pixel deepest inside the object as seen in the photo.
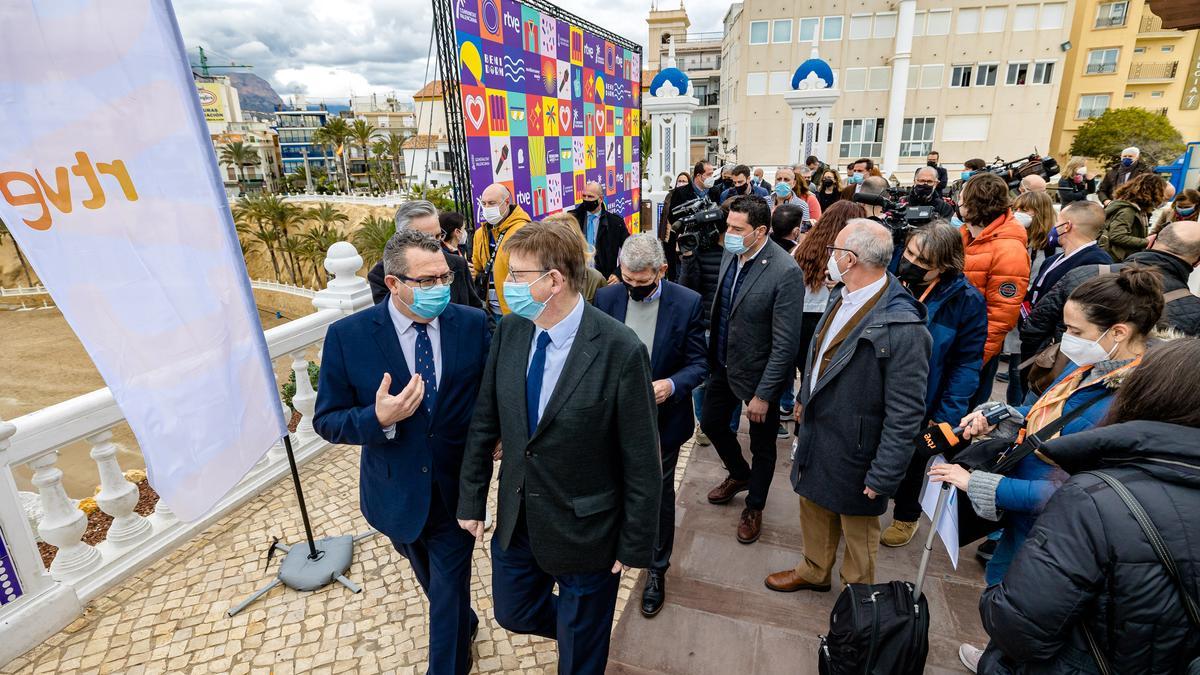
(876, 629)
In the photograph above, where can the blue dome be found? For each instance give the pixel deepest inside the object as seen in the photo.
(673, 75)
(817, 66)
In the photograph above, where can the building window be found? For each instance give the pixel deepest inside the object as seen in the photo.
(1102, 61)
(808, 29)
(1043, 73)
(985, 75)
(1025, 17)
(756, 84)
(938, 22)
(968, 21)
(860, 26)
(1168, 48)
(1130, 94)
(931, 76)
(914, 77)
(960, 76)
(759, 31)
(1091, 105)
(781, 30)
(1053, 14)
(1156, 94)
(856, 79)
(1139, 50)
(885, 25)
(916, 139)
(1111, 14)
(1017, 73)
(780, 82)
(919, 23)
(879, 79)
(832, 28)
(862, 138)
(994, 19)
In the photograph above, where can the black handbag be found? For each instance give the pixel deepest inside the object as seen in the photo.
(1164, 557)
(995, 455)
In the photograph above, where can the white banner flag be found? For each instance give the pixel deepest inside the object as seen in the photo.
(109, 184)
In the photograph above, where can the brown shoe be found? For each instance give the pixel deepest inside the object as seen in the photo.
(899, 533)
(723, 493)
(789, 581)
(750, 525)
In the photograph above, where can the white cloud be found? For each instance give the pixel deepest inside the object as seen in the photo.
(333, 49)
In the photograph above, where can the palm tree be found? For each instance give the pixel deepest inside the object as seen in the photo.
(252, 219)
(239, 155)
(336, 132)
(20, 256)
(327, 214)
(372, 236)
(390, 147)
(361, 131)
(318, 239)
(283, 215)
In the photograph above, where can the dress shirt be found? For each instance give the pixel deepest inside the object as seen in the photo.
(593, 222)
(562, 336)
(741, 265)
(1063, 259)
(852, 301)
(408, 346)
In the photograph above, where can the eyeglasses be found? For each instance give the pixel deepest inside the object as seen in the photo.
(426, 283)
(512, 274)
(831, 249)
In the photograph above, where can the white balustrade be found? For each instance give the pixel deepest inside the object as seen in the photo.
(81, 572)
(117, 497)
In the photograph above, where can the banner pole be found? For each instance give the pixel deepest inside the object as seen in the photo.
(313, 554)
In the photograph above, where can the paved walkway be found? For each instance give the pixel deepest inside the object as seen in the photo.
(720, 619)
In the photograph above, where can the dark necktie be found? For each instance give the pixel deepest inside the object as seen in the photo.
(425, 367)
(533, 381)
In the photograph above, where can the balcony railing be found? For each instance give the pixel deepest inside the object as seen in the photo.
(1101, 68)
(81, 572)
(1153, 71)
(1109, 21)
(710, 99)
(1088, 113)
(1150, 24)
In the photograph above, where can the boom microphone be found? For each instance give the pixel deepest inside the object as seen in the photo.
(873, 200)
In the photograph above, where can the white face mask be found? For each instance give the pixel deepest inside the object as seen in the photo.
(1082, 171)
(831, 267)
(1085, 352)
(493, 214)
(1023, 218)
(710, 181)
(462, 237)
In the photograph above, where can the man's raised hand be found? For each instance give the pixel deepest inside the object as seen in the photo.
(392, 409)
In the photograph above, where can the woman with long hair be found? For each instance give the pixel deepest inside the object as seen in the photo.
(1088, 575)
(1074, 185)
(828, 187)
(1035, 211)
(811, 255)
(1127, 216)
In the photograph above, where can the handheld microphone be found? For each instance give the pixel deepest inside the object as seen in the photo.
(942, 439)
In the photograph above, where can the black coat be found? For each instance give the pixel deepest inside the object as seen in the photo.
(1087, 561)
(610, 236)
(1045, 320)
(1070, 191)
(699, 272)
(1118, 176)
(679, 196)
(462, 289)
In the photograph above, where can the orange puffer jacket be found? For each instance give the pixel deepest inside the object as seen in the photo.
(998, 265)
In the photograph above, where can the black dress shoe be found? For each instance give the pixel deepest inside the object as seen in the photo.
(654, 594)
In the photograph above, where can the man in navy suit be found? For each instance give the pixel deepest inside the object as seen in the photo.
(666, 317)
(401, 379)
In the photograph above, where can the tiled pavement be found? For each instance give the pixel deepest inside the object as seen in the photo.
(171, 616)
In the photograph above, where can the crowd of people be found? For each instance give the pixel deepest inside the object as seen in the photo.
(580, 358)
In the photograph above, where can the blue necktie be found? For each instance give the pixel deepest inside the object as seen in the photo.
(425, 368)
(533, 381)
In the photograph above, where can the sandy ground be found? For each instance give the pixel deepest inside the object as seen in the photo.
(43, 363)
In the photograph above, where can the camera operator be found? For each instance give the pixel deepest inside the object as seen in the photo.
(702, 181)
(925, 192)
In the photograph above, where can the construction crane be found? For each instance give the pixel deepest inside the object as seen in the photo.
(205, 67)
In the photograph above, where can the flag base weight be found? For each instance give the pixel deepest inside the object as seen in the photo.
(309, 565)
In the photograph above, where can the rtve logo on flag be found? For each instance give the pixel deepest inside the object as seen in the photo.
(39, 195)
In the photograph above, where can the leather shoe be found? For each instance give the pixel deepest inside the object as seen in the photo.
(788, 581)
(723, 493)
(750, 525)
(654, 594)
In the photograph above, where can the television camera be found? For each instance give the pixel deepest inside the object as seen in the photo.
(698, 224)
(898, 215)
(1033, 165)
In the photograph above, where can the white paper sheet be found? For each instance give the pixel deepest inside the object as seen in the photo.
(948, 527)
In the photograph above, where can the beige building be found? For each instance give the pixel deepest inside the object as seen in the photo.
(962, 77)
(1122, 56)
(698, 55)
(228, 124)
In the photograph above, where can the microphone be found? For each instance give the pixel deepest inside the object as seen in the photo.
(873, 200)
(942, 439)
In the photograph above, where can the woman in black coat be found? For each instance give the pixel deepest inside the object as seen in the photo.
(1087, 563)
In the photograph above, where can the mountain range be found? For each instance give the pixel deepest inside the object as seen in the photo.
(255, 93)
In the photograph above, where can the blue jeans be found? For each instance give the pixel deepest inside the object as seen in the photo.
(788, 400)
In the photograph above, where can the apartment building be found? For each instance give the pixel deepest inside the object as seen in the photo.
(698, 55)
(227, 123)
(971, 79)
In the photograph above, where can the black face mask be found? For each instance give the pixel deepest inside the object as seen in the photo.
(931, 163)
(640, 293)
(911, 273)
(589, 204)
(827, 182)
(922, 191)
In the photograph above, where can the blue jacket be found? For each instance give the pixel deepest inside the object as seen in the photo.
(680, 353)
(734, 192)
(957, 320)
(396, 476)
(1023, 493)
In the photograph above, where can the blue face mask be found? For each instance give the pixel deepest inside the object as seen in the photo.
(520, 299)
(966, 175)
(782, 190)
(956, 221)
(1052, 237)
(429, 303)
(1126, 161)
(855, 178)
(1185, 212)
(735, 243)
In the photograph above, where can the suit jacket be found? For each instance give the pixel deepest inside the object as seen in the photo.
(462, 289)
(590, 477)
(764, 324)
(678, 354)
(397, 475)
(610, 236)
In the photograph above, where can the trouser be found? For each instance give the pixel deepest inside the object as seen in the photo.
(820, 532)
(441, 560)
(987, 380)
(698, 407)
(719, 403)
(664, 544)
(579, 616)
(808, 328)
(788, 400)
(1016, 383)
(908, 494)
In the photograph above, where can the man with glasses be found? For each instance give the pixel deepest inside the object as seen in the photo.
(422, 216)
(926, 192)
(401, 380)
(567, 390)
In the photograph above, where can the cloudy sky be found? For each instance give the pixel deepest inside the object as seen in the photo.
(332, 48)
